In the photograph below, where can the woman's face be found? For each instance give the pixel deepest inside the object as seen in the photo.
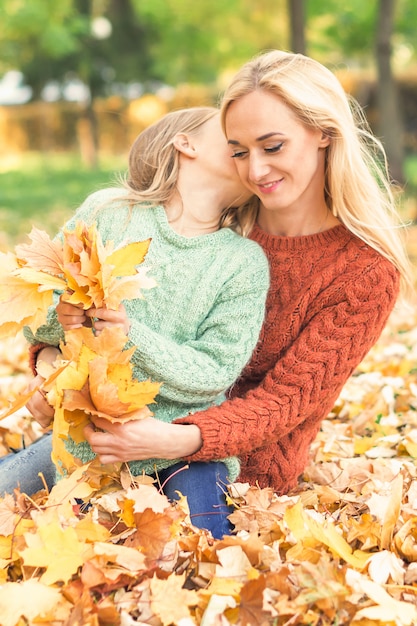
(277, 157)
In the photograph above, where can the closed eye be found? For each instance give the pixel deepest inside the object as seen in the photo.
(238, 155)
(274, 149)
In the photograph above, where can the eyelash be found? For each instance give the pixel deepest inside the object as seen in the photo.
(273, 150)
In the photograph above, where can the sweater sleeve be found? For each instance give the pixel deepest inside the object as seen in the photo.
(303, 385)
(206, 366)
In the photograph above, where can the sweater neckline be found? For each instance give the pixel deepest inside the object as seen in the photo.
(181, 240)
(303, 242)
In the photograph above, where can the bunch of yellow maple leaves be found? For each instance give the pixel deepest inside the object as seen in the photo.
(341, 549)
(94, 375)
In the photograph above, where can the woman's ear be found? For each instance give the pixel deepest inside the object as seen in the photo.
(324, 140)
(183, 143)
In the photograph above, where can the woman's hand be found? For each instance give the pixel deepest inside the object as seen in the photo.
(106, 318)
(143, 439)
(71, 316)
(38, 405)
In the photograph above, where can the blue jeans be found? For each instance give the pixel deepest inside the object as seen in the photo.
(21, 469)
(203, 484)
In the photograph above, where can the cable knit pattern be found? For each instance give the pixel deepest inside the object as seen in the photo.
(330, 297)
(196, 329)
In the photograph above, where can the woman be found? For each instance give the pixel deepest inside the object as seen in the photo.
(325, 217)
(197, 328)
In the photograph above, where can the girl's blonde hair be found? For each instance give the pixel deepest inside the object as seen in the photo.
(154, 161)
(357, 185)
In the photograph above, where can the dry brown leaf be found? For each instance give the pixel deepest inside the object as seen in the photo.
(153, 531)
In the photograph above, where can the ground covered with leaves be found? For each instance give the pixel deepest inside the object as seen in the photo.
(341, 549)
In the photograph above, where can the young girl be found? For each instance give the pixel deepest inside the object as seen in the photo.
(325, 217)
(197, 328)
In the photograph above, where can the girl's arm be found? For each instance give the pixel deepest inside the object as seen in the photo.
(203, 368)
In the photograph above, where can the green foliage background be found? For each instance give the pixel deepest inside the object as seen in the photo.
(182, 40)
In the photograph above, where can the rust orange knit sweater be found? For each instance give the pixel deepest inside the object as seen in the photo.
(329, 300)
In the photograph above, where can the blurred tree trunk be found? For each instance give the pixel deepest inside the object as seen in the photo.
(297, 25)
(88, 136)
(389, 116)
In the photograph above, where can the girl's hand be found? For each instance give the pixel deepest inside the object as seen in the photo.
(106, 318)
(71, 316)
(142, 439)
(38, 405)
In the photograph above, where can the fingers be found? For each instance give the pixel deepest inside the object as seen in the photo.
(102, 444)
(40, 409)
(107, 318)
(69, 315)
(102, 424)
(72, 316)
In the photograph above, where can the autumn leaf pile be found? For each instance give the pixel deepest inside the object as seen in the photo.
(104, 549)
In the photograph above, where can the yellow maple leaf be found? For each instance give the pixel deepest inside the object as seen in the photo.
(56, 549)
(170, 601)
(129, 558)
(102, 396)
(386, 608)
(97, 380)
(93, 273)
(66, 490)
(112, 345)
(89, 531)
(125, 259)
(42, 253)
(22, 301)
(305, 528)
(100, 382)
(29, 599)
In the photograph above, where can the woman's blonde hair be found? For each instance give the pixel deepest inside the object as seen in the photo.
(357, 185)
(154, 161)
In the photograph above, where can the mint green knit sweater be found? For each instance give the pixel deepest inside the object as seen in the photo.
(196, 329)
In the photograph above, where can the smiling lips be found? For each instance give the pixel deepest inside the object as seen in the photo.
(269, 187)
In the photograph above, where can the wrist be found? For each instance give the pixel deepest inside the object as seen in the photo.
(185, 440)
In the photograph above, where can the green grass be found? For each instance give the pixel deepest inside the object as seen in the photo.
(44, 190)
(410, 169)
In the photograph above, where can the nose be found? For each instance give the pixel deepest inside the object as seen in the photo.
(258, 167)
